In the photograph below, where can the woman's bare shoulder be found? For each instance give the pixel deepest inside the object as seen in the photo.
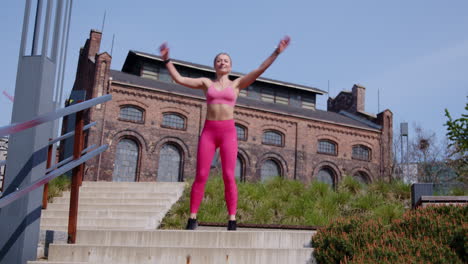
(207, 82)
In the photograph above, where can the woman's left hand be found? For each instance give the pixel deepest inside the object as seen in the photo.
(284, 43)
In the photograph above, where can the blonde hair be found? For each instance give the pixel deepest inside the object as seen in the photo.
(222, 53)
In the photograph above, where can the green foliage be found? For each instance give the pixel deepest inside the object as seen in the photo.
(57, 186)
(289, 202)
(457, 133)
(428, 235)
(457, 130)
(351, 185)
(458, 191)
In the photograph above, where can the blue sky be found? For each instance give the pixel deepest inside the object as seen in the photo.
(414, 52)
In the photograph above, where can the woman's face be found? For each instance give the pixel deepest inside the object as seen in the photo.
(222, 63)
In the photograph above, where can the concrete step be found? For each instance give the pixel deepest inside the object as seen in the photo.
(174, 255)
(133, 184)
(101, 214)
(155, 189)
(110, 207)
(66, 200)
(64, 228)
(98, 222)
(125, 195)
(55, 262)
(199, 238)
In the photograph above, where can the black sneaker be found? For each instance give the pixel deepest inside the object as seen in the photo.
(232, 225)
(192, 224)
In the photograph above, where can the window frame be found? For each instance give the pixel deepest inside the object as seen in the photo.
(143, 114)
(242, 177)
(279, 94)
(328, 141)
(243, 92)
(282, 144)
(271, 95)
(363, 147)
(278, 165)
(332, 174)
(152, 69)
(139, 153)
(245, 132)
(176, 114)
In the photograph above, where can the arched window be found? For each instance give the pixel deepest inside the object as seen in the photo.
(361, 152)
(361, 177)
(169, 164)
(269, 169)
(272, 138)
(327, 147)
(131, 113)
(126, 161)
(325, 175)
(239, 173)
(175, 121)
(241, 132)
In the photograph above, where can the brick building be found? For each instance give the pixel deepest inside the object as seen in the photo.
(152, 125)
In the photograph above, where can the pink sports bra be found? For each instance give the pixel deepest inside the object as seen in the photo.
(226, 96)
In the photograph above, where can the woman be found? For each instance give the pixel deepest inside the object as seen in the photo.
(219, 129)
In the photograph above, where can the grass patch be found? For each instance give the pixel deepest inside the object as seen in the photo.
(57, 186)
(289, 202)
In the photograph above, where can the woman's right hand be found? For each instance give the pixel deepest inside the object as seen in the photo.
(164, 51)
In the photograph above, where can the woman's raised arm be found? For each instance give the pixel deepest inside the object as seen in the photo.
(194, 83)
(248, 79)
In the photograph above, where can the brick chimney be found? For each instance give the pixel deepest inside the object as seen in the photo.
(94, 43)
(359, 98)
(352, 102)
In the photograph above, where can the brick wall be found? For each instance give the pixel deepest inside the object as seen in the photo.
(298, 158)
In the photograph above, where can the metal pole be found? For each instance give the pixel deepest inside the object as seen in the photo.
(55, 40)
(407, 156)
(65, 36)
(46, 186)
(3, 179)
(77, 173)
(401, 158)
(27, 11)
(45, 40)
(37, 27)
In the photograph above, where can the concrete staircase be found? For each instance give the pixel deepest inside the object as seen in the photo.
(115, 205)
(117, 224)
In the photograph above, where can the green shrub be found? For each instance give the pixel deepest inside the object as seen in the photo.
(459, 191)
(343, 238)
(445, 224)
(395, 247)
(428, 235)
(57, 186)
(349, 184)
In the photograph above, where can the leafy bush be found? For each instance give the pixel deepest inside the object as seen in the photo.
(428, 235)
(397, 248)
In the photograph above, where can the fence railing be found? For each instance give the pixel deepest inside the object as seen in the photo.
(75, 163)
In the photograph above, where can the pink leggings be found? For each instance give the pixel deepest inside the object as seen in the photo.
(222, 134)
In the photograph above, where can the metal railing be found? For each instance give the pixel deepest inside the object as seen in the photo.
(2, 164)
(75, 163)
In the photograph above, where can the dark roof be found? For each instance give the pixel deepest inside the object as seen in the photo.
(242, 101)
(130, 59)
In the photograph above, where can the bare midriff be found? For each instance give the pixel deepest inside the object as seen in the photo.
(219, 112)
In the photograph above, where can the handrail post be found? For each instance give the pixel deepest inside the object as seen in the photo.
(46, 186)
(3, 180)
(77, 173)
